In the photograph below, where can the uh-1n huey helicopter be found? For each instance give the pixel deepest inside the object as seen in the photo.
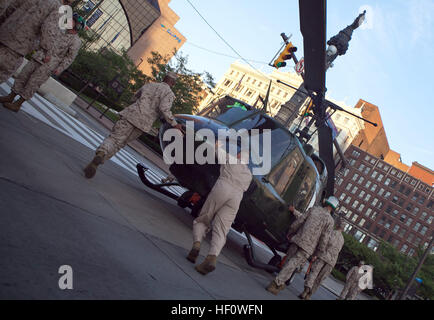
(297, 177)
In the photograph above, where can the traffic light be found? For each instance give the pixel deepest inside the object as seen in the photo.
(285, 55)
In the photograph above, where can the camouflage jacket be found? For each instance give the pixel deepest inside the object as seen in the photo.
(353, 276)
(31, 20)
(238, 175)
(313, 230)
(64, 51)
(334, 246)
(155, 99)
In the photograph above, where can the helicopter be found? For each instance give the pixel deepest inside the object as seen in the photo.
(297, 177)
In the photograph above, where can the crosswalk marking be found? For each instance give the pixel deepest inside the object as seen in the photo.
(43, 110)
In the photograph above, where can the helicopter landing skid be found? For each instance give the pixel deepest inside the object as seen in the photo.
(250, 257)
(141, 170)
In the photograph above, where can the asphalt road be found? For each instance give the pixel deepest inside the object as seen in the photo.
(122, 240)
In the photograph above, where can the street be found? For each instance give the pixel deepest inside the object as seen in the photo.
(122, 240)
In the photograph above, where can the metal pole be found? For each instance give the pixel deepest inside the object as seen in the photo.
(419, 266)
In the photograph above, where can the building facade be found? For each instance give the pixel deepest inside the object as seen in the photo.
(138, 27)
(381, 202)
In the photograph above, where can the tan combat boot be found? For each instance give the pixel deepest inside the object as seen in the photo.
(274, 288)
(14, 106)
(305, 295)
(207, 266)
(90, 170)
(194, 253)
(8, 98)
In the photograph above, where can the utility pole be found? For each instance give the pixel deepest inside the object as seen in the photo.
(419, 266)
(338, 45)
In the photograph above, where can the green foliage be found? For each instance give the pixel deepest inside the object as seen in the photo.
(189, 84)
(392, 269)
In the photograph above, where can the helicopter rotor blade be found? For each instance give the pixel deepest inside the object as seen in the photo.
(313, 28)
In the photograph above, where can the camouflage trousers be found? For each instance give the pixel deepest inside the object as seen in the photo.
(293, 263)
(220, 209)
(123, 132)
(9, 62)
(350, 291)
(319, 271)
(31, 78)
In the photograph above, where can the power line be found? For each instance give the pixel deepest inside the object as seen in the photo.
(222, 54)
(236, 52)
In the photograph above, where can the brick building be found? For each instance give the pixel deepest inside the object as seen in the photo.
(382, 202)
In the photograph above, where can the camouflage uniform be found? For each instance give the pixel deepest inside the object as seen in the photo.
(36, 73)
(323, 266)
(351, 288)
(18, 34)
(314, 230)
(221, 205)
(155, 99)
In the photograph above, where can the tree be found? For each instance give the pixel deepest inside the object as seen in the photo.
(189, 84)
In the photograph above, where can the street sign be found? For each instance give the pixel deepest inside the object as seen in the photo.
(299, 67)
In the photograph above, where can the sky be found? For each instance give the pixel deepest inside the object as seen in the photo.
(390, 61)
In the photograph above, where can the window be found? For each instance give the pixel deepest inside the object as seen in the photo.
(348, 200)
(400, 174)
(361, 167)
(415, 210)
(389, 209)
(388, 224)
(372, 161)
(387, 195)
(342, 197)
(355, 177)
(374, 187)
(368, 184)
(354, 218)
(362, 194)
(362, 222)
(340, 180)
(415, 197)
(348, 228)
(402, 232)
(404, 248)
(380, 193)
(372, 244)
(395, 213)
(362, 206)
(395, 229)
(348, 215)
(411, 252)
(368, 196)
(355, 204)
(409, 221)
(367, 158)
(402, 218)
(368, 212)
(361, 179)
(382, 221)
(416, 226)
(359, 236)
(423, 231)
(417, 241)
(354, 190)
(374, 174)
(380, 165)
(380, 178)
(393, 184)
(349, 186)
(395, 199)
(374, 202)
(430, 219)
(374, 215)
(421, 200)
(387, 182)
(423, 216)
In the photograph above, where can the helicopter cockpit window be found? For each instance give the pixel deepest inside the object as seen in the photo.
(282, 176)
(307, 187)
(281, 140)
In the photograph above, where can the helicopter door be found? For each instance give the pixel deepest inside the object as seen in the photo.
(279, 180)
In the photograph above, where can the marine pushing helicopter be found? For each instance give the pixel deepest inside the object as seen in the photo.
(297, 177)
